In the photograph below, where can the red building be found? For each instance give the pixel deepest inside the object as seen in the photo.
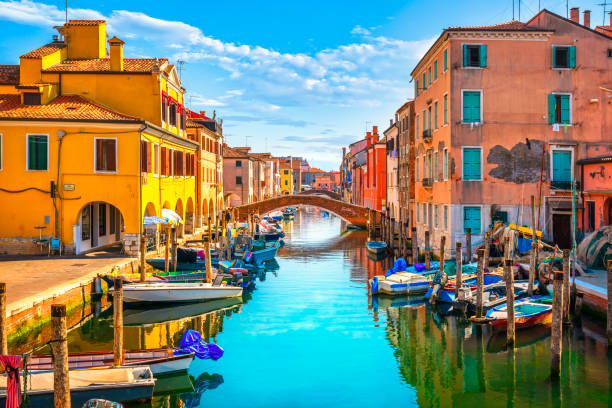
(375, 172)
(596, 182)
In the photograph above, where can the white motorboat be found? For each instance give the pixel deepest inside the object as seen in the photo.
(177, 292)
(400, 283)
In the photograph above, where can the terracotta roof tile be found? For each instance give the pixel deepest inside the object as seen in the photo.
(191, 124)
(229, 152)
(64, 107)
(85, 22)
(513, 25)
(9, 74)
(45, 50)
(103, 64)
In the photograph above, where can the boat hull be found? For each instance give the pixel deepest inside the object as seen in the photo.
(376, 249)
(164, 293)
(524, 322)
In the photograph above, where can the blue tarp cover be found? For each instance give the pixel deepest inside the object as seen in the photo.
(192, 343)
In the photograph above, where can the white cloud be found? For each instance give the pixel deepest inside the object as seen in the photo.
(359, 30)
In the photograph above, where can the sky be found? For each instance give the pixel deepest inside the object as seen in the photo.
(290, 77)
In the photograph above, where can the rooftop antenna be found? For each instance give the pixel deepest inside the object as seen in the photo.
(67, 11)
(512, 9)
(366, 125)
(519, 10)
(180, 64)
(190, 98)
(605, 5)
(246, 143)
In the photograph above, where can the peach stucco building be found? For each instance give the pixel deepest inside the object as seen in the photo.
(498, 106)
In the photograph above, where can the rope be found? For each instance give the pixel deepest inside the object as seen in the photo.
(25, 399)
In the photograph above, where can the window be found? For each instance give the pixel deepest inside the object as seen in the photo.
(559, 109)
(561, 169)
(471, 219)
(38, 152)
(102, 220)
(591, 211)
(286, 182)
(145, 157)
(436, 215)
(445, 165)
(430, 164)
(436, 168)
(424, 212)
(416, 169)
(474, 55)
(564, 56)
(86, 223)
(417, 87)
(446, 217)
(106, 154)
(418, 212)
(424, 120)
(164, 108)
(424, 80)
(436, 115)
(472, 163)
(470, 101)
(416, 124)
(111, 220)
(238, 180)
(156, 158)
(446, 109)
(31, 98)
(424, 166)
(429, 76)
(429, 118)
(445, 60)
(238, 163)
(435, 70)
(173, 114)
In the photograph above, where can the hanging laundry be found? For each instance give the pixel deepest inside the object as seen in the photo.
(555, 127)
(12, 364)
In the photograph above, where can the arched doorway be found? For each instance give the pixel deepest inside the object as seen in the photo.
(189, 217)
(211, 209)
(178, 208)
(99, 224)
(205, 212)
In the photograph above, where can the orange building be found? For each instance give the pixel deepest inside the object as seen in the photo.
(498, 106)
(596, 185)
(375, 172)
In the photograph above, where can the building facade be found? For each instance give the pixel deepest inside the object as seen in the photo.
(375, 177)
(406, 163)
(391, 140)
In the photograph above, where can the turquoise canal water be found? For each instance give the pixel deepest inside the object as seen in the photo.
(310, 336)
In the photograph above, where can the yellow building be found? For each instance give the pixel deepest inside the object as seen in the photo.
(286, 177)
(90, 144)
(208, 133)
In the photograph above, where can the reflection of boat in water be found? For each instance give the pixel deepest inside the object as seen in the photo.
(173, 384)
(149, 315)
(384, 302)
(497, 342)
(204, 382)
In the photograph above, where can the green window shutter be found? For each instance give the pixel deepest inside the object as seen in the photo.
(435, 70)
(551, 108)
(572, 56)
(483, 55)
(554, 56)
(471, 107)
(436, 115)
(31, 153)
(465, 55)
(417, 87)
(565, 109)
(445, 60)
(471, 164)
(562, 166)
(424, 80)
(471, 219)
(37, 153)
(424, 120)
(445, 109)
(42, 153)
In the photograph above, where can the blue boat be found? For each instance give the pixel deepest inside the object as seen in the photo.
(259, 257)
(447, 294)
(376, 247)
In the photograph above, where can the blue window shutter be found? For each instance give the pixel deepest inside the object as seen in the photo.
(565, 109)
(471, 164)
(417, 87)
(471, 219)
(483, 55)
(551, 108)
(562, 166)
(554, 56)
(572, 56)
(465, 55)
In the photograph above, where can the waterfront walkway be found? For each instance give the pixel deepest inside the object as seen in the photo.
(32, 279)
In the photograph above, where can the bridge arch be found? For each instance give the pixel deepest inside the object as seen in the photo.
(351, 213)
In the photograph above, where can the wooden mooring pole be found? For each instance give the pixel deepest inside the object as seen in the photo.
(118, 323)
(442, 245)
(3, 330)
(208, 261)
(533, 255)
(487, 248)
(59, 345)
(609, 325)
(415, 247)
(479, 282)
(209, 231)
(459, 273)
(468, 243)
(557, 325)
(509, 276)
(143, 250)
(167, 250)
(174, 248)
(427, 250)
(566, 286)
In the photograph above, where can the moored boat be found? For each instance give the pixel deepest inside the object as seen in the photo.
(399, 284)
(376, 247)
(527, 312)
(121, 384)
(177, 292)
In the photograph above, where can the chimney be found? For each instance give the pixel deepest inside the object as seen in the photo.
(203, 113)
(390, 122)
(374, 134)
(610, 13)
(575, 14)
(116, 54)
(368, 139)
(587, 18)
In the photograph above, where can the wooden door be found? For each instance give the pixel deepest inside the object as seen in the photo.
(562, 230)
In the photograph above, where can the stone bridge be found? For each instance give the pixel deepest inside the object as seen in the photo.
(327, 193)
(353, 214)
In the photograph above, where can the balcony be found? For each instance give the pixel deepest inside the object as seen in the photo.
(561, 185)
(427, 136)
(427, 182)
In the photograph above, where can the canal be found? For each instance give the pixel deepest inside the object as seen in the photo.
(310, 336)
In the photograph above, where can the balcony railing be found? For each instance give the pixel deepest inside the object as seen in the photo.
(427, 136)
(561, 185)
(427, 182)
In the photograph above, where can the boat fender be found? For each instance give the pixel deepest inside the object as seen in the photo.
(247, 256)
(374, 285)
